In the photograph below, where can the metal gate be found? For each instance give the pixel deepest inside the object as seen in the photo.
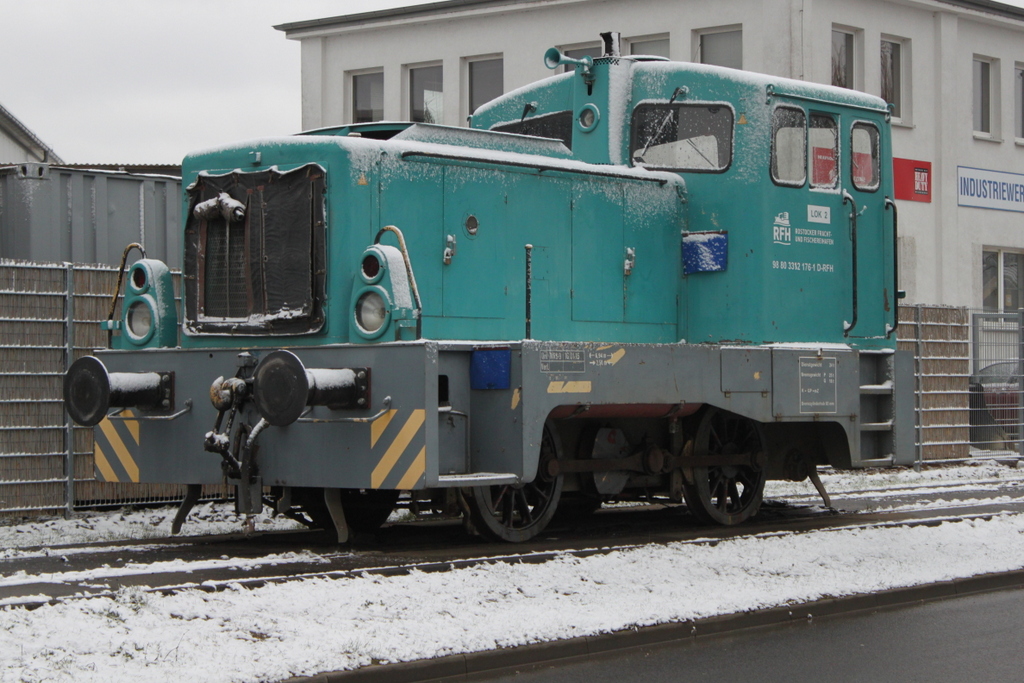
(997, 380)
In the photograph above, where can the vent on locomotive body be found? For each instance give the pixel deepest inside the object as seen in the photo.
(254, 252)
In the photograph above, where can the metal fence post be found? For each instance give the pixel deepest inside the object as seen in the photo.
(69, 358)
(1020, 379)
(918, 387)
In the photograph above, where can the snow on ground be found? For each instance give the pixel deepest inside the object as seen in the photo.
(122, 525)
(315, 625)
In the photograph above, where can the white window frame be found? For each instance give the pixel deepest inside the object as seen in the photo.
(856, 59)
(1018, 99)
(350, 90)
(698, 34)
(465, 85)
(407, 70)
(647, 39)
(906, 109)
(993, 132)
(1000, 277)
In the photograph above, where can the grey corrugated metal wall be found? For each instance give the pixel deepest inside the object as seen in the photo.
(51, 213)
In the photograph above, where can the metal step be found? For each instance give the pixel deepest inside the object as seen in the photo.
(883, 388)
(476, 479)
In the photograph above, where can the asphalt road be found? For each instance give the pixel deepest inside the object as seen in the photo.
(976, 639)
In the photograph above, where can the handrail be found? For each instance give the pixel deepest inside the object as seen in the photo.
(848, 198)
(386, 405)
(116, 415)
(890, 204)
(117, 287)
(408, 270)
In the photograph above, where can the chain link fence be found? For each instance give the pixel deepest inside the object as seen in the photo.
(49, 317)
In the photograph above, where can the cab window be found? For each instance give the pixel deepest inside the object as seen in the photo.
(789, 146)
(682, 137)
(824, 144)
(557, 125)
(864, 156)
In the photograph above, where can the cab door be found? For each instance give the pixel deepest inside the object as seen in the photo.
(865, 215)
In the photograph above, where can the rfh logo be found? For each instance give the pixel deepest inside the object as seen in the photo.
(781, 232)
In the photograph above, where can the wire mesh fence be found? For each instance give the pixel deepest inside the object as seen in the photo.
(996, 381)
(969, 383)
(49, 317)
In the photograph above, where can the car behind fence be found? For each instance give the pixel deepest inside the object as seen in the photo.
(966, 366)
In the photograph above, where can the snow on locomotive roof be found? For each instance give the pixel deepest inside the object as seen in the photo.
(781, 86)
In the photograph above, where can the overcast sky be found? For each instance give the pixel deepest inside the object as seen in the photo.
(146, 81)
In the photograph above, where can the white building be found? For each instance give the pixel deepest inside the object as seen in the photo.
(953, 69)
(18, 144)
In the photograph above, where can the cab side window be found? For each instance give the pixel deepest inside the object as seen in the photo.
(789, 146)
(824, 144)
(864, 156)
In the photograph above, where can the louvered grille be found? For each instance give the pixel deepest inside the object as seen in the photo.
(226, 292)
(254, 253)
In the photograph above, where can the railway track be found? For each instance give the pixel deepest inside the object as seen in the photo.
(35, 576)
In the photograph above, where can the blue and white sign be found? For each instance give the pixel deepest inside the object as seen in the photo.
(990, 189)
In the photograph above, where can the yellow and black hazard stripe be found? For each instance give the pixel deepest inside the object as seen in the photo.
(398, 445)
(116, 449)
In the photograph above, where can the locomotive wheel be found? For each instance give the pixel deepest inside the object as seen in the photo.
(518, 512)
(726, 494)
(365, 510)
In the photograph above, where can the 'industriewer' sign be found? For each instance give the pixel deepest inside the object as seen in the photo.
(990, 189)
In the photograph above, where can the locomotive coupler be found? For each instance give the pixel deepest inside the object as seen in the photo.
(226, 395)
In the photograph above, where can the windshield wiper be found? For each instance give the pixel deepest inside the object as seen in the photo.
(681, 90)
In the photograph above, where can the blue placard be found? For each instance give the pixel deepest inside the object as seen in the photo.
(490, 369)
(705, 252)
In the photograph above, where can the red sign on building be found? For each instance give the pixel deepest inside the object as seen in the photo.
(912, 180)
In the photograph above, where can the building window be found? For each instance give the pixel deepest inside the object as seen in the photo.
(368, 97)
(657, 47)
(892, 76)
(982, 96)
(593, 51)
(720, 47)
(426, 94)
(1002, 280)
(486, 81)
(789, 146)
(842, 59)
(1018, 100)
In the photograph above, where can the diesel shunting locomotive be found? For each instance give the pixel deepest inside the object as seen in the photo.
(634, 279)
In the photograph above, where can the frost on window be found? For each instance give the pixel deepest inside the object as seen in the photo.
(864, 156)
(824, 143)
(683, 137)
(789, 145)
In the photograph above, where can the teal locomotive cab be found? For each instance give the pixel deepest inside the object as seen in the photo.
(788, 233)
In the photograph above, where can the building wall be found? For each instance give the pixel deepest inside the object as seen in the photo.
(941, 243)
(13, 153)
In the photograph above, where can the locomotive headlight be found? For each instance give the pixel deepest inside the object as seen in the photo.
(139, 320)
(371, 312)
(371, 268)
(149, 318)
